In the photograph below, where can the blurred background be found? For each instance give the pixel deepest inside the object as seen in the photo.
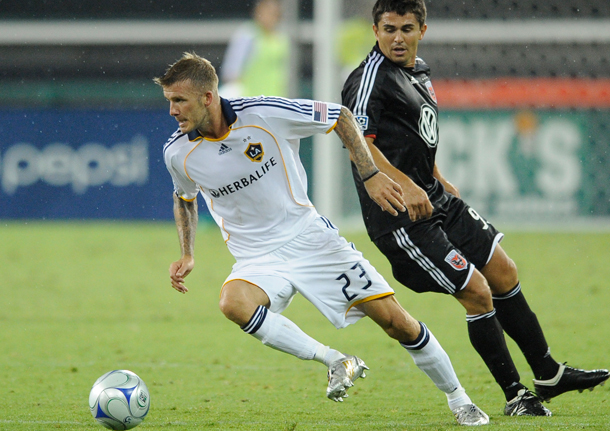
(523, 89)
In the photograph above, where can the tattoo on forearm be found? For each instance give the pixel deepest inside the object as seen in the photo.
(349, 132)
(186, 217)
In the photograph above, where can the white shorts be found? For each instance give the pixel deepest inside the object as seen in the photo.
(321, 265)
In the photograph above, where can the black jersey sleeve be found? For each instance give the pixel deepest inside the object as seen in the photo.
(362, 93)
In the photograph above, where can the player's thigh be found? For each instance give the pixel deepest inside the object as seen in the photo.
(240, 298)
(470, 232)
(271, 289)
(425, 260)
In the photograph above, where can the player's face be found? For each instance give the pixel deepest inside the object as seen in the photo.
(188, 106)
(398, 37)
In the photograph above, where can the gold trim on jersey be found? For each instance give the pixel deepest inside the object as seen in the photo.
(219, 139)
(221, 218)
(367, 299)
(332, 128)
(186, 158)
(283, 161)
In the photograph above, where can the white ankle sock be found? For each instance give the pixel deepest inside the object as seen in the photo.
(458, 398)
(327, 356)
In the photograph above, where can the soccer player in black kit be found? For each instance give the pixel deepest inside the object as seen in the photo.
(441, 244)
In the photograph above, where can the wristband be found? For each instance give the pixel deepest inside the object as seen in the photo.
(370, 176)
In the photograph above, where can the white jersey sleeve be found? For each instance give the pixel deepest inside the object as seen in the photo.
(174, 157)
(291, 118)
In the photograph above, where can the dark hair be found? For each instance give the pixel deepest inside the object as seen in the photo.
(401, 7)
(191, 67)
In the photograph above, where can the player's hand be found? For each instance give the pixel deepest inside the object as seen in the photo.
(386, 193)
(417, 202)
(179, 270)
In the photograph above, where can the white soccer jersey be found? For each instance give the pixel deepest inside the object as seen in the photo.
(252, 179)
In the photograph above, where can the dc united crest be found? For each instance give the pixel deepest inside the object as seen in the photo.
(255, 152)
(428, 128)
(456, 260)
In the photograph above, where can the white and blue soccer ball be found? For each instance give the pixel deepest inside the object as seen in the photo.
(119, 400)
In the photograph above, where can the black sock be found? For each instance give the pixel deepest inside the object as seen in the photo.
(488, 340)
(521, 324)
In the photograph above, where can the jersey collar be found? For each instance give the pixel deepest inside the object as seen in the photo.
(227, 112)
(420, 65)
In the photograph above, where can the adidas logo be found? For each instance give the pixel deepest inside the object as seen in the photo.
(224, 149)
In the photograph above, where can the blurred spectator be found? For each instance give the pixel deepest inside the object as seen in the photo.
(257, 58)
(355, 35)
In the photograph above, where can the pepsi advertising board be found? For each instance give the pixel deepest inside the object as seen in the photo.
(84, 164)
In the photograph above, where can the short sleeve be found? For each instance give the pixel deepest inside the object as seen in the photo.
(297, 118)
(363, 94)
(184, 187)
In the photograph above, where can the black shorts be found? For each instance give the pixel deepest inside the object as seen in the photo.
(439, 254)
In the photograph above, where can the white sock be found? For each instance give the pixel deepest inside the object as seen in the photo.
(278, 332)
(458, 398)
(327, 356)
(430, 357)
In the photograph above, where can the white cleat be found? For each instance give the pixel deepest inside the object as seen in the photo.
(470, 415)
(341, 376)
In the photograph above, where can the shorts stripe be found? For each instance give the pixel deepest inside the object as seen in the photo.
(497, 240)
(404, 242)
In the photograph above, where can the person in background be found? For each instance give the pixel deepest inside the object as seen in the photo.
(257, 60)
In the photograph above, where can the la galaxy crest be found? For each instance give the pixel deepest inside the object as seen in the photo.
(255, 152)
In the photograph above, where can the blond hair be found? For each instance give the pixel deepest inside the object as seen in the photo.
(194, 68)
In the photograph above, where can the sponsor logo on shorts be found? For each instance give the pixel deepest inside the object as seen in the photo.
(456, 260)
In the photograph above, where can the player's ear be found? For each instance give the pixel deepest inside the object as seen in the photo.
(208, 98)
(423, 31)
(376, 31)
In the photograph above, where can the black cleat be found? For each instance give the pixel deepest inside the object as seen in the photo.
(569, 379)
(526, 403)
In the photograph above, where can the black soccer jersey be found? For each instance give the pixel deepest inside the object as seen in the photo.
(397, 107)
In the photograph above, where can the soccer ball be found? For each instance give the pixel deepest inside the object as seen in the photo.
(119, 400)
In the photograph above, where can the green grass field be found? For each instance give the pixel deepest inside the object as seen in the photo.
(80, 299)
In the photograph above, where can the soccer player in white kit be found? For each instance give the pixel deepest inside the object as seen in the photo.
(242, 156)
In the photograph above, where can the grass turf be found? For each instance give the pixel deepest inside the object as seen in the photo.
(80, 299)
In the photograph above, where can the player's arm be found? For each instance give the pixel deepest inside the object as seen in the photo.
(385, 192)
(448, 186)
(416, 200)
(186, 216)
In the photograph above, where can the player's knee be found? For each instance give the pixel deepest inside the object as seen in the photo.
(231, 310)
(403, 328)
(512, 275)
(476, 296)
